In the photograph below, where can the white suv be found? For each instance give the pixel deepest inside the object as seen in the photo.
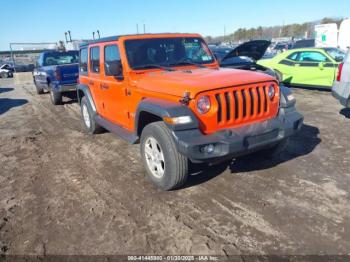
(341, 86)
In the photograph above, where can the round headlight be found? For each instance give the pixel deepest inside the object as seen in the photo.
(203, 104)
(271, 92)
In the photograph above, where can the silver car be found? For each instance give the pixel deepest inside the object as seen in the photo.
(341, 86)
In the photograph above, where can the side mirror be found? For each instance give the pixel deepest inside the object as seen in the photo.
(114, 68)
(339, 58)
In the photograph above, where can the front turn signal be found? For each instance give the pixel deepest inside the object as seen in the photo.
(180, 120)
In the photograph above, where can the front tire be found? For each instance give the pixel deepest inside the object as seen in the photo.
(39, 90)
(165, 166)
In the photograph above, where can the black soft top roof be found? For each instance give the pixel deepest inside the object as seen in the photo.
(100, 40)
(114, 38)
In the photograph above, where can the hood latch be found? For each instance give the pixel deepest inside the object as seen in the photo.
(185, 100)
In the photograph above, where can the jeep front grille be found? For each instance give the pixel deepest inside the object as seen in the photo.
(239, 105)
(242, 104)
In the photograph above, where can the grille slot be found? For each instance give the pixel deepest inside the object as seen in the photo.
(266, 98)
(228, 106)
(236, 104)
(252, 101)
(218, 99)
(244, 101)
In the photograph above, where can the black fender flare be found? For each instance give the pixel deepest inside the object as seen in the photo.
(86, 90)
(163, 108)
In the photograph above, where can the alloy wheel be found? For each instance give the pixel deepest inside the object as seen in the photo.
(154, 157)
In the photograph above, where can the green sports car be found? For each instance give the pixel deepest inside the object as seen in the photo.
(306, 66)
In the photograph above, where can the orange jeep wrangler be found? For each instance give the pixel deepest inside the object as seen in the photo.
(168, 92)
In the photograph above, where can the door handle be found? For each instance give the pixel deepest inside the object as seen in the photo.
(104, 86)
(91, 82)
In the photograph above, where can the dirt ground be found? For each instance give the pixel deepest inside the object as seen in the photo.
(65, 192)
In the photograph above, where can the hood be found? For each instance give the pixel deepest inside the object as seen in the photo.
(253, 49)
(198, 80)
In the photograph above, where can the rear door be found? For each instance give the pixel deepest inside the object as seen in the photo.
(94, 81)
(114, 89)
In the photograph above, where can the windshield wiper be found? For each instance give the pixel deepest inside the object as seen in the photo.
(188, 63)
(147, 66)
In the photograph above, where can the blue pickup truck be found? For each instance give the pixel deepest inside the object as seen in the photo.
(56, 72)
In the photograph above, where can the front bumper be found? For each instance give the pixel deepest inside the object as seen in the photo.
(341, 92)
(234, 142)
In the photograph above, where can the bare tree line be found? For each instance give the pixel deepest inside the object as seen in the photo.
(290, 30)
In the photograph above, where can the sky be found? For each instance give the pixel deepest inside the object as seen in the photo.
(47, 20)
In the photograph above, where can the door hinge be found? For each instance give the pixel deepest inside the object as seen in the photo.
(127, 92)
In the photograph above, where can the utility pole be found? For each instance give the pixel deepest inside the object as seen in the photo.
(224, 33)
(281, 30)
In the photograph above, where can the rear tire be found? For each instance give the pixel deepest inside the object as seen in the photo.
(165, 166)
(88, 116)
(56, 97)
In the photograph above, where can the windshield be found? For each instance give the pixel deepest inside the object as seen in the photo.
(150, 53)
(335, 53)
(61, 58)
